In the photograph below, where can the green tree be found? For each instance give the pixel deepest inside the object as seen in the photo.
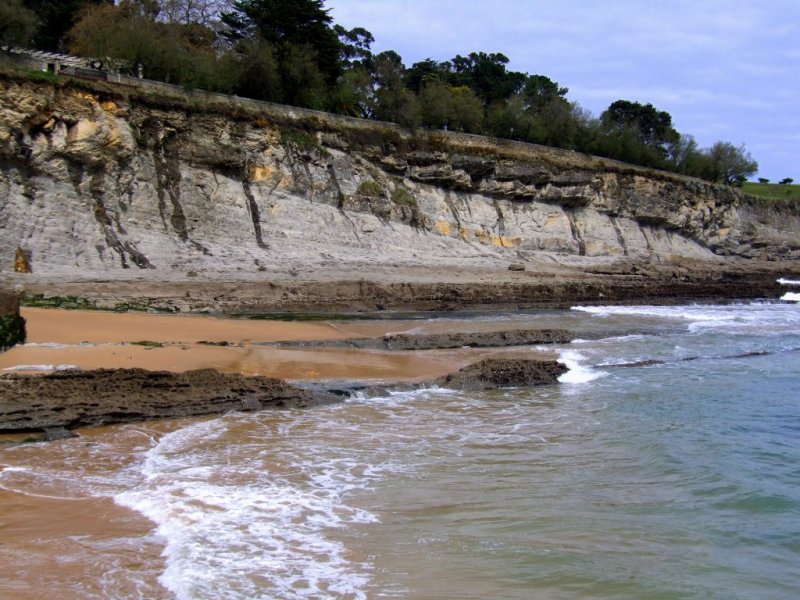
(391, 101)
(539, 91)
(732, 164)
(449, 107)
(177, 53)
(17, 24)
(355, 47)
(55, 18)
(486, 75)
(289, 25)
(652, 127)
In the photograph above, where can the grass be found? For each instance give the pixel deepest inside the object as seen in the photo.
(370, 188)
(772, 191)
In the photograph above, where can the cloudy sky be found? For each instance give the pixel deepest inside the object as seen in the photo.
(724, 69)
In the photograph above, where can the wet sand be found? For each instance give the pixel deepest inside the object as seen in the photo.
(94, 340)
(73, 547)
(56, 543)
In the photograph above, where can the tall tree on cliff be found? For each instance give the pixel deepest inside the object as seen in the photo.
(732, 165)
(305, 44)
(181, 53)
(55, 17)
(17, 24)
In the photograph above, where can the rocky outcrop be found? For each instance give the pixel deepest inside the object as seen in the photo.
(493, 373)
(12, 325)
(99, 180)
(72, 399)
(441, 341)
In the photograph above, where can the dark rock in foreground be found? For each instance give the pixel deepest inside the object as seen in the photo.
(443, 341)
(54, 404)
(72, 399)
(493, 373)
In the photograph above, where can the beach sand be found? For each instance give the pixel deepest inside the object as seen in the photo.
(64, 540)
(94, 340)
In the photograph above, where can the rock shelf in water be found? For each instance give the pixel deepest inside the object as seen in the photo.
(65, 400)
(71, 399)
(444, 341)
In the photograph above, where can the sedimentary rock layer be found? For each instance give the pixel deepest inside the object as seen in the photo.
(100, 181)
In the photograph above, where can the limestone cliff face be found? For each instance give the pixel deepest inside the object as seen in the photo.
(98, 181)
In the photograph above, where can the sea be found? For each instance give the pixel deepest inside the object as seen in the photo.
(665, 465)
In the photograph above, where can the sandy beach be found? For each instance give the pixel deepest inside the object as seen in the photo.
(93, 340)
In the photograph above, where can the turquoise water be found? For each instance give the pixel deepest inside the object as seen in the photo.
(676, 478)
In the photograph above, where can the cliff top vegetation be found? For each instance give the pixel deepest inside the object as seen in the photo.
(291, 52)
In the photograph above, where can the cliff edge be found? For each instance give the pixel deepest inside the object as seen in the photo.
(106, 184)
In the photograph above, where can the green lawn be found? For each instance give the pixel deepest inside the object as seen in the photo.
(772, 191)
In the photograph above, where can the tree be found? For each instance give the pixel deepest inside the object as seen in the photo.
(449, 107)
(763, 180)
(355, 46)
(202, 12)
(288, 25)
(391, 100)
(17, 24)
(732, 165)
(787, 181)
(177, 53)
(540, 91)
(55, 18)
(486, 75)
(652, 127)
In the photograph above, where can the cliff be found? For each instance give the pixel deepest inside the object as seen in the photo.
(102, 182)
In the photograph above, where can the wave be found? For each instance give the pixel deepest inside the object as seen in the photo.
(784, 281)
(228, 530)
(791, 297)
(577, 372)
(700, 317)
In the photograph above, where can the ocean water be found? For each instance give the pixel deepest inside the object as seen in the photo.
(666, 464)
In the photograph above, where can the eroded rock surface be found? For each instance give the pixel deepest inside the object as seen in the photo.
(98, 182)
(493, 373)
(490, 339)
(72, 399)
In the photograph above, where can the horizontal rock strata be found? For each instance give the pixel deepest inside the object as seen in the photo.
(103, 181)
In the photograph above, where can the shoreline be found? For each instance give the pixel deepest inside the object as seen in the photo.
(385, 289)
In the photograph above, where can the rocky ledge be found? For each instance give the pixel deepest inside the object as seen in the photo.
(72, 399)
(493, 373)
(56, 403)
(443, 341)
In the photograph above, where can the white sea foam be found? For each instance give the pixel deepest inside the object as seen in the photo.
(241, 531)
(731, 317)
(791, 297)
(41, 367)
(577, 373)
(784, 281)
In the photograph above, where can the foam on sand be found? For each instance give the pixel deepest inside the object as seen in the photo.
(232, 534)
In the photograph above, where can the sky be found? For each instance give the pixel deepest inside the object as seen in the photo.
(725, 70)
